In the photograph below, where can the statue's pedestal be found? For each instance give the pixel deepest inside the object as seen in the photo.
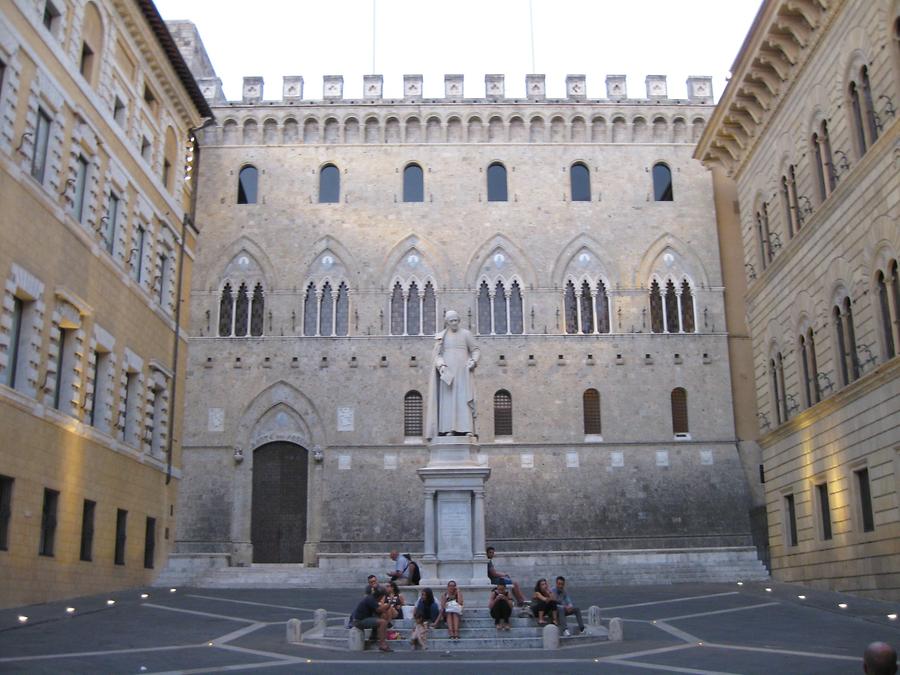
(454, 513)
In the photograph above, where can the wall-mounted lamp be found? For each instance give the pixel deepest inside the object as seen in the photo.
(238, 456)
(318, 454)
(27, 134)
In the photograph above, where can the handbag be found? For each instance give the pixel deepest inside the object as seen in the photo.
(453, 607)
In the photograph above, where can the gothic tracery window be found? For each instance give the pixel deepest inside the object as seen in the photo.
(241, 311)
(500, 310)
(226, 311)
(326, 311)
(656, 308)
(673, 310)
(257, 311)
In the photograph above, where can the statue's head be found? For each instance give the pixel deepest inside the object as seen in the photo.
(451, 320)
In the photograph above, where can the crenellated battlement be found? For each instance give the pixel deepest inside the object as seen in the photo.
(656, 90)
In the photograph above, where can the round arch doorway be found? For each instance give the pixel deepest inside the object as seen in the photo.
(278, 506)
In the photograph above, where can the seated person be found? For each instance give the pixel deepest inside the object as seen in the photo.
(428, 606)
(542, 603)
(500, 605)
(565, 606)
(451, 608)
(400, 573)
(371, 584)
(395, 601)
(371, 612)
(496, 577)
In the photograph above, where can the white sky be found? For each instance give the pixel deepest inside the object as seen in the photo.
(312, 38)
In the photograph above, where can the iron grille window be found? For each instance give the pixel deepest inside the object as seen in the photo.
(503, 421)
(412, 414)
(48, 522)
(121, 535)
(87, 530)
(679, 411)
(6, 488)
(591, 404)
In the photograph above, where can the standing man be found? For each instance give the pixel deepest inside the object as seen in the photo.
(566, 606)
(498, 577)
(400, 573)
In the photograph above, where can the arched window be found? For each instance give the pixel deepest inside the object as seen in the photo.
(807, 350)
(412, 414)
(503, 420)
(310, 311)
(602, 303)
(241, 311)
(413, 184)
(591, 404)
(570, 302)
(499, 309)
(226, 311)
(656, 308)
(762, 233)
(580, 178)
(247, 185)
(858, 124)
(329, 185)
(686, 300)
(778, 391)
(789, 200)
(342, 312)
(429, 310)
(871, 119)
(586, 308)
(662, 183)
(326, 311)
(679, 412)
(670, 308)
(885, 316)
(413, 310)
(170, 152)
(845, 342)
(397, 310)
(824, 168)
(257, 311)
(496, 183)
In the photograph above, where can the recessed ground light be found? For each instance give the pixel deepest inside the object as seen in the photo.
(144, 596)
(842, 605)
(740, 583)
(110, 602)
(768, 590)
(801, 597)
(23, 618)
(70, 610)
(892, 617)
(171, 590)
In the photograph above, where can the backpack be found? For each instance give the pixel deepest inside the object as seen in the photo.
(414, 576)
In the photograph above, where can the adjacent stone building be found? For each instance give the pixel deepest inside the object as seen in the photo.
(96, 112)
(807, 130)
(576, 238)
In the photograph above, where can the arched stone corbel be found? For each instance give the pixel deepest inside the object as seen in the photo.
(797, 25)
(766, 75)
(785, 44)
(775, 60)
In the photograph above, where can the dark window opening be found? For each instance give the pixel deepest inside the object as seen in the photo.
(61, 367)
(580, 178)
(413, 184)
(15, 340)
(6, 489)
(662, 183)
(87, 530)
(656, 308)
(248, 180)
(51, 14)
(329, 185)
(150, 543)
(885, 311)
(121, 536)
(257, 311)
(87, 62)
(119, 111)
(824, 510)
(48, 522)
(241, 311)
(791, 515)
(867, 516)
(226, 311)
(39, 146)
(496, 183)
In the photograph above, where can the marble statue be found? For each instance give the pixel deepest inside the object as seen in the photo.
(451, 387)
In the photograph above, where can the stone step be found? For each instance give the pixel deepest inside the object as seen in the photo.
(464, 631)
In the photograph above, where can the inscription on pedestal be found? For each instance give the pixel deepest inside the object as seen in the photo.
(454, 526)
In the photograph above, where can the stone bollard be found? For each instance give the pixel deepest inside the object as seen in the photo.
(616, 630)
(294, 631)
(320, 621)
(594, 615)
(550, 635)
(356, 640)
